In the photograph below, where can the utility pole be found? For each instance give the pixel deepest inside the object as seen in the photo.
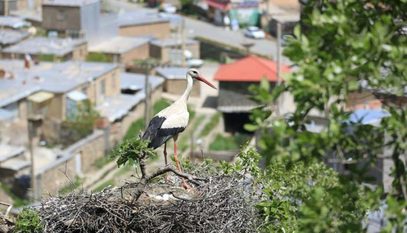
(33, 123)
(183, 42)
(147, 96)
(6, 7)
(278, 72)
(147, 65)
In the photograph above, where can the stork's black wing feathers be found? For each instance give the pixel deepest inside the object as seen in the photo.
(157, 135)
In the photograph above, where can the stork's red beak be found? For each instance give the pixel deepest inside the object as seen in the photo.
(206, 81)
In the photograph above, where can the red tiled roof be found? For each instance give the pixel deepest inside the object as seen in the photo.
(218, 5)
(249, 69)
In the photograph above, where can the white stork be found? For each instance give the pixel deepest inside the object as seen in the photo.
(171, 121)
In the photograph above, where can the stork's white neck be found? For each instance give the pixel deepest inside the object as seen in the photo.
(187, 91)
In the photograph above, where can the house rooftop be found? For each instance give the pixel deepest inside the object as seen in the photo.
(8, 36)
(172, 72)
(13, 22)
(7, 152)
(249, 69)
(45, 45)
(119, 44)
(20, 82)
(140, 18)
(116, 107)
(233, 102)
(171, 42)
(68, 2)
(135, 81)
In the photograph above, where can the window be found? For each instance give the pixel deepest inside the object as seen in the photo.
(102, 87)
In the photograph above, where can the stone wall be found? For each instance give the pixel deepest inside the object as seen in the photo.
(75, 160)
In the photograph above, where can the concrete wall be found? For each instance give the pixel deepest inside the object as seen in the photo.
(177, 86)
(80, 52)
(15, 131)
(141, 52)
(159, 30)
(61, 18)
(112, 86)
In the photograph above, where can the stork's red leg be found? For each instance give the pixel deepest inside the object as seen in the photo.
(184, 183)
(176, 156)
(165, 154)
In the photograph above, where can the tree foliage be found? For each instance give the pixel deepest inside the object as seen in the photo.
(80, 124)
(343, 47)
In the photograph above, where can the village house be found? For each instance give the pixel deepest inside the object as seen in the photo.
(47, 49)
(169, 50)
(122, 50)
(71, 18)
(137, 24)
(53, 90)
(234, 81)
(174, 81)
(10, 37)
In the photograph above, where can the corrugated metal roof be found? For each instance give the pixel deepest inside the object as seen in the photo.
(8, 37)
(45, 45)
(249, 69)
(119, 44)
(234, 102)
(116, 107)
(136, 81)
(172, 72)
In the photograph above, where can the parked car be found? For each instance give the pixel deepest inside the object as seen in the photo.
(254, 32)
(168, 8)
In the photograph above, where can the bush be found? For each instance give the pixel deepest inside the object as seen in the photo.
(80, 126)
(98, 57)
(223, 143)
(28, 221)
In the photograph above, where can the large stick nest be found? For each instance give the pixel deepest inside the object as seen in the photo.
(223, 203)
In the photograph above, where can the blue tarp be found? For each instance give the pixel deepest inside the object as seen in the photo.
(368, 116)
